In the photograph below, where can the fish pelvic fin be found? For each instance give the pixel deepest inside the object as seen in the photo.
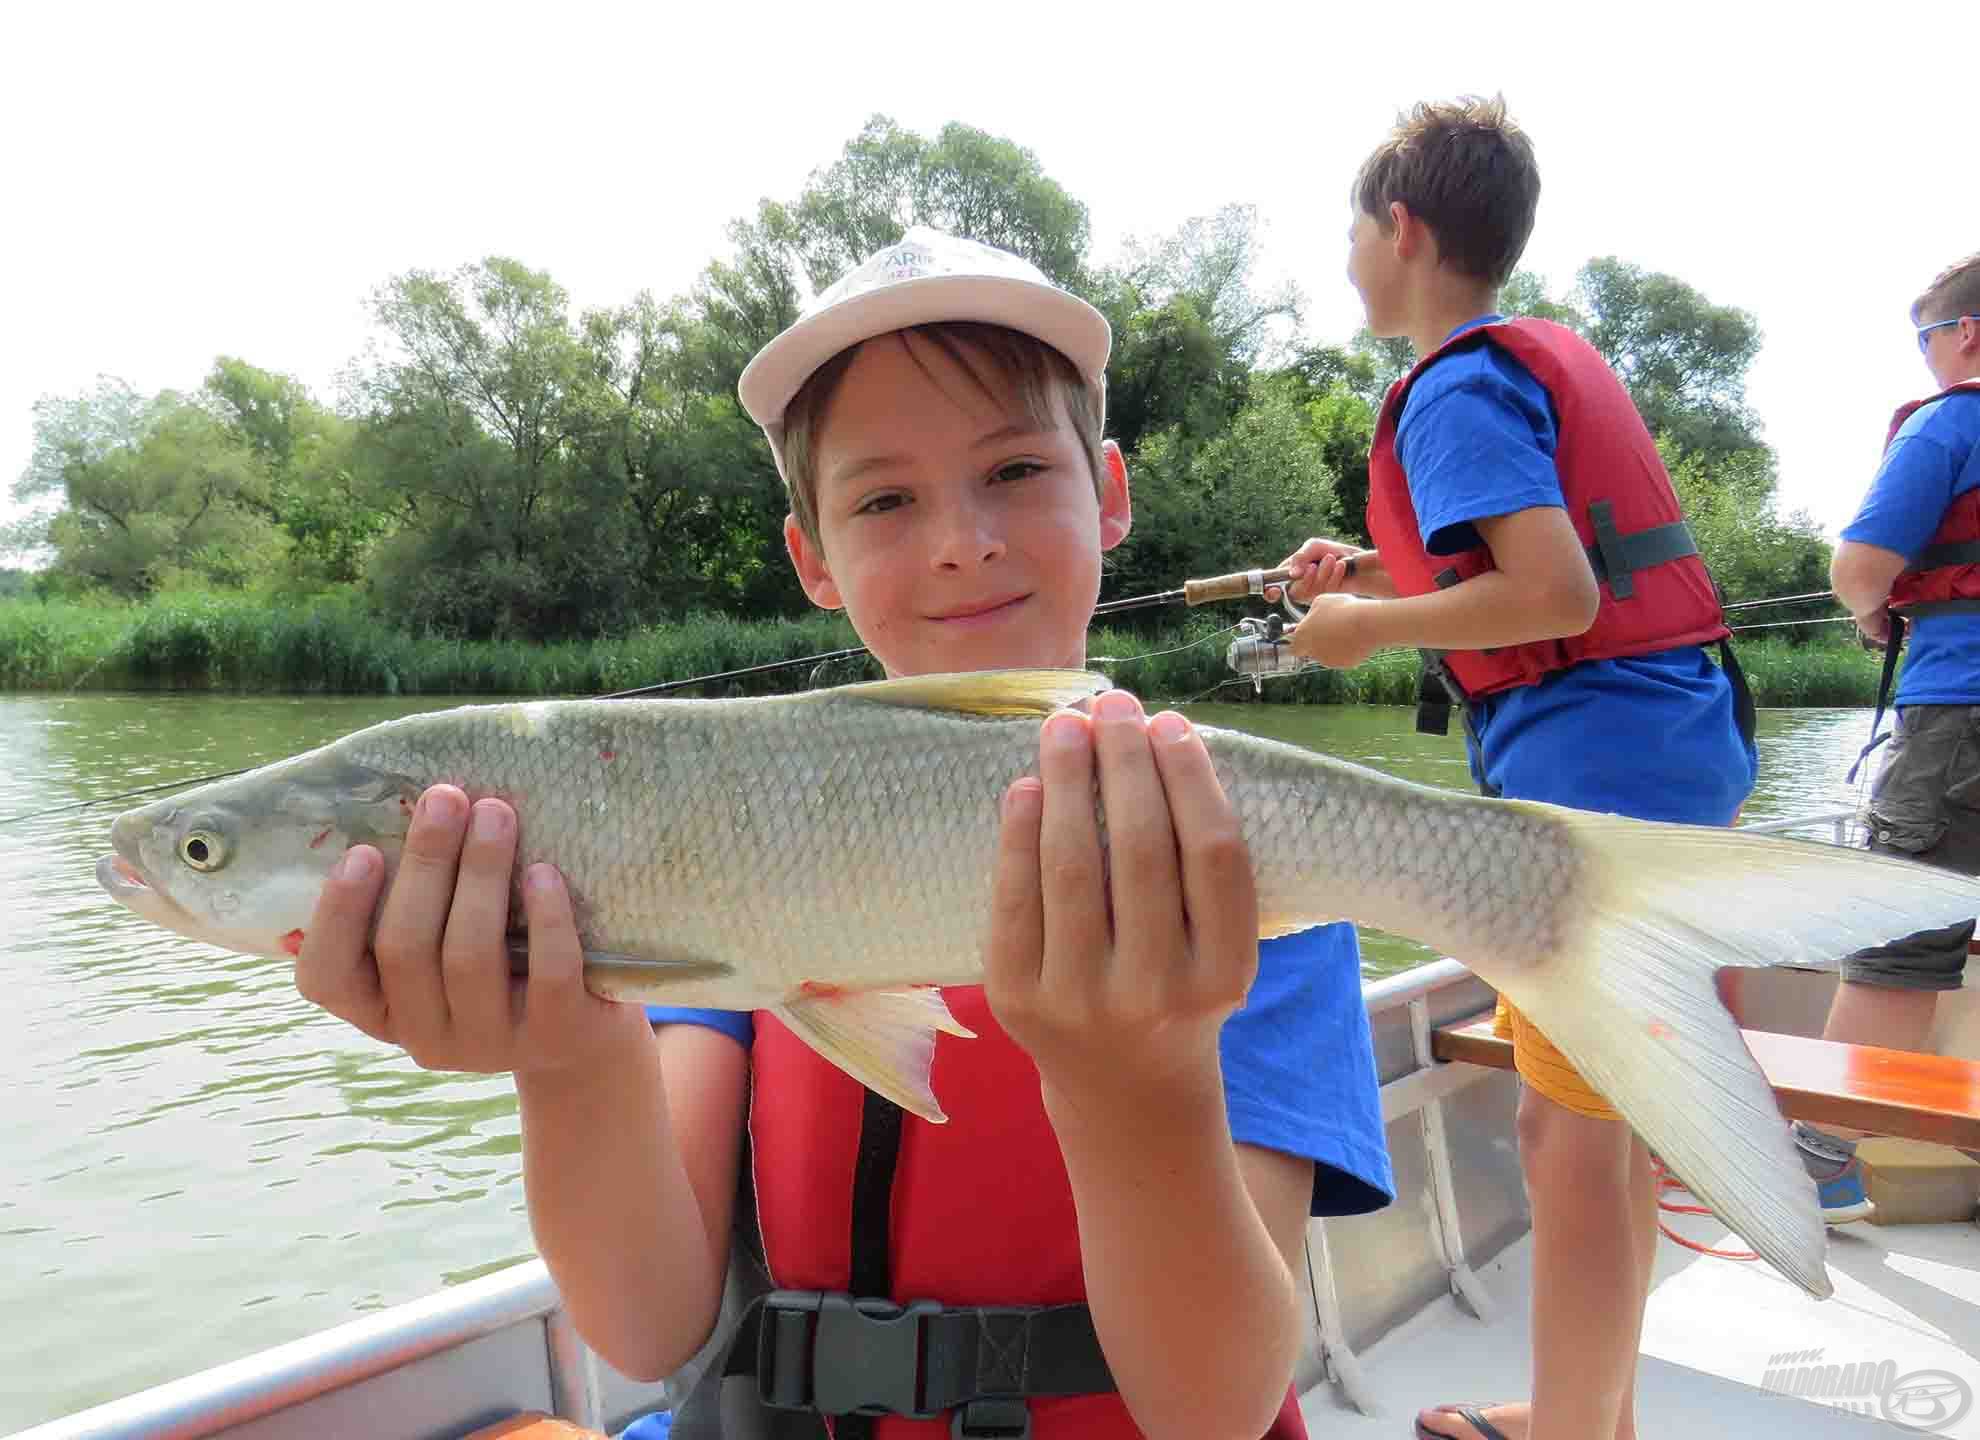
(1630, 997)
(885, 1039)
(989, 693)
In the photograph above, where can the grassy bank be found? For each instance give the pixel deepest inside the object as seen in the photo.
(227, 642)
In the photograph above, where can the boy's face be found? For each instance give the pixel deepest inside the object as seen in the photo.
(954, 532)
(1375, 271)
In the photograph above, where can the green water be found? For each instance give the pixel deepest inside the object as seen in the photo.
(195, 1164)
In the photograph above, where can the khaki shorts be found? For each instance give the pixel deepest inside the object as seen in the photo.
(1545, 1068)
(1925, 806)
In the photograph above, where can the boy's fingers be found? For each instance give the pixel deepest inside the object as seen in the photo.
(1141, 842)
(1072, 876)
(415, 915)
(1016, 951)
(555, 997)
(474, 957)
(334, 968)
(1218, 888)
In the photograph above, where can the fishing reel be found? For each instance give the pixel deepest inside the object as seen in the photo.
(1261, 649)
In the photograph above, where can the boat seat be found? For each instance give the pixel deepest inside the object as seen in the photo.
(534, 1425)
(1886, 1092)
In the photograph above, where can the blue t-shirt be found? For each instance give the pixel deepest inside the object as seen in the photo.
(1933, 459)
(1652, 736)
(1299, 1066)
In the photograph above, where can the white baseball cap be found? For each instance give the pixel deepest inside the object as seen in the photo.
(926, 277)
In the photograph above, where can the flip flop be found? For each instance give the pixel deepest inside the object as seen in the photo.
(1472, 1415)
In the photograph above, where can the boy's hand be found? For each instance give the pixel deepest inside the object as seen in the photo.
(1320, 568)
(1335, 632)
(436, 981)
(1875, 628)
(1115, 969)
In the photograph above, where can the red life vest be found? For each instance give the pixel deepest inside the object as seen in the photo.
(1605, 458)
(982, 1211)
(1947, 576)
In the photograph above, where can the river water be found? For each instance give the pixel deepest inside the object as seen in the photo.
(195, 1164)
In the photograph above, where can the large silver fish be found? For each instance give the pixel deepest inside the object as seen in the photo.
(821, 855)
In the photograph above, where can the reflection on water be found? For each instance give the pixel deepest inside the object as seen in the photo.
(195, 1164)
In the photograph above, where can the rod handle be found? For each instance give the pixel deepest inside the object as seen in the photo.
(1231, 587)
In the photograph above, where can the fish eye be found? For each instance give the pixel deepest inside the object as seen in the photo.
(203, 850)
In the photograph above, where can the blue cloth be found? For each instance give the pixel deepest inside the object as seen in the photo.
(1298, 1062)
(1651, 736)
(1299, 1068)
(736, 1024)
(1933, 459)
(657, 1426)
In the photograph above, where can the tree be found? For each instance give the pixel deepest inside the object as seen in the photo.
(1231, 501)
(474, 415)
(1683, 358)
(1752, 552)
(1189, 327)
(965, 181)
(156, 491)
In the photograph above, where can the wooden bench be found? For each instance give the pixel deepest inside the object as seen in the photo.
(1886, 1092)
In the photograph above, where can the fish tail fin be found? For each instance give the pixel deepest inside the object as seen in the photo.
(1631, 1001)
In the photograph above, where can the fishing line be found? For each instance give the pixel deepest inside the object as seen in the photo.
(124, 795)
(1172, 650)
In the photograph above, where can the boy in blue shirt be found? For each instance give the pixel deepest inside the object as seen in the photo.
(1524, 528)
(1147, 1116)
(1913, 550)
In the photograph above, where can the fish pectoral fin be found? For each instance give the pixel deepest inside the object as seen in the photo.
(633, 968)
(885, 1039)
(984, 692)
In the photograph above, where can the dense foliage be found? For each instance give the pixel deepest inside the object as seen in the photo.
(499, 467)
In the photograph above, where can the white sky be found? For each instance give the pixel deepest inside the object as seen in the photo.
(181, 182)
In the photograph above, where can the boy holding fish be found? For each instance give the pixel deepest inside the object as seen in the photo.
(1153, 1103)
(1526, 534)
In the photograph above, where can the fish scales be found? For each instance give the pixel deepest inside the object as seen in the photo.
(826, 840)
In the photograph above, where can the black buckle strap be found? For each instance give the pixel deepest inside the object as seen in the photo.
(1953, 552)
(837, 1354)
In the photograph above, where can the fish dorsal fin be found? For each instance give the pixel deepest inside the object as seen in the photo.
(984, 692)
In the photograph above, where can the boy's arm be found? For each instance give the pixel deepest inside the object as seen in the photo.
(1184, 1245)
(629, 1166)
(1540, 589)
(1862, 575)
(629, 1144)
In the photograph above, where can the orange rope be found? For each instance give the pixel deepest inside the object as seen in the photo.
(1668, 1182)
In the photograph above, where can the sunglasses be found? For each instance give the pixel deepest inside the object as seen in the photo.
(1925, 331)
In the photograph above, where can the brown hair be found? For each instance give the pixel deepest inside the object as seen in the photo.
(1468, 173)
(999, 361)
(1953, 292)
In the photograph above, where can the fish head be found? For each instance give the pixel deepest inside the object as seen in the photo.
(241, 863)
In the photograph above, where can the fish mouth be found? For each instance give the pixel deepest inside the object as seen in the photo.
(127, 885)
